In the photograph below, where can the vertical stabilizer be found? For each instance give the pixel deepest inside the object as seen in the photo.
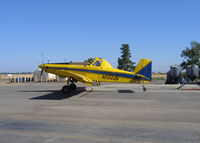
(144, 68)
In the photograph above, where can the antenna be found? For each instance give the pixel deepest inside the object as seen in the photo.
(42, 58)
(38, 61)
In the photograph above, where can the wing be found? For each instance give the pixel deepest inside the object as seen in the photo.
(78, 77)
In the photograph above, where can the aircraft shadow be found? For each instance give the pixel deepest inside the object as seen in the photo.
(57, 95)
(119, 91)
(126, 91)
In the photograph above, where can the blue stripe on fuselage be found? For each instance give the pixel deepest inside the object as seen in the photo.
(97, 72)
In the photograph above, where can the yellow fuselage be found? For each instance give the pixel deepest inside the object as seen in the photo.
(94, 73)
(99, 71)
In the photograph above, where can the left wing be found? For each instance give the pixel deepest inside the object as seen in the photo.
(79, 77)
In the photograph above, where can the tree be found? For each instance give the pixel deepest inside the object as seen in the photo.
(191, 55)
(125, 62)
(90, 60)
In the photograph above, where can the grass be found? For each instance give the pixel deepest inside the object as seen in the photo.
(158, 78)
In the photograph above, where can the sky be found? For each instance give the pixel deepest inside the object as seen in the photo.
(78, 29)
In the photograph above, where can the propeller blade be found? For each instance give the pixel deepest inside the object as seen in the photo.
(41, 73)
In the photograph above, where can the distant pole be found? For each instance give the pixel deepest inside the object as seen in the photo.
(38, 61)
(42, 58)
(65, 59)
(48, 59)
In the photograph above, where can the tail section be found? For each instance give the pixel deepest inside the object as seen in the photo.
(144, 68)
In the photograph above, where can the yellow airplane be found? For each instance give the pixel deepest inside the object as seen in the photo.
(99, 70)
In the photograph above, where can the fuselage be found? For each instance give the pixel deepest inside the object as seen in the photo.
(97, 72)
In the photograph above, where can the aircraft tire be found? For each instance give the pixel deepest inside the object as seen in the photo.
(72, 87)
(65, 89)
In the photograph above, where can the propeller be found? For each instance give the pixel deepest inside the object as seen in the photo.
(41, 73)
(42, 67)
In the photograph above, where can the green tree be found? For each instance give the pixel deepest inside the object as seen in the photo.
(191, 55)
(90, 60)
(125, 62)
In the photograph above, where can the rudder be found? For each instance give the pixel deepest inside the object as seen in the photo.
(144, 68)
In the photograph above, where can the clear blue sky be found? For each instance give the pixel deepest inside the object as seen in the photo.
(79, 29)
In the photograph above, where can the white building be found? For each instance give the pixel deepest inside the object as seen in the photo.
(45, 77)
(59, 79)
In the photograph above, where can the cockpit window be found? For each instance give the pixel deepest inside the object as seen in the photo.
(97, 63)
(91, 61)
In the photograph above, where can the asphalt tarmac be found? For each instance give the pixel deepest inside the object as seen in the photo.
(111, 113)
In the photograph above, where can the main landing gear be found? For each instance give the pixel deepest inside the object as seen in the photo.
(70, 86)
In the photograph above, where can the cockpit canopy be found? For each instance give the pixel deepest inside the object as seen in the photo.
(99, 62)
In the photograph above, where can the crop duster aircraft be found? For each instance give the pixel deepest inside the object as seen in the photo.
(99, 70)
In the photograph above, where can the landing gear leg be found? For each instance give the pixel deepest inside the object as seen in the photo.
(98, 83)
(70, 86)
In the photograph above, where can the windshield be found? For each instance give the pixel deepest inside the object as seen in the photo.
(90, 61)
(97, 63)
